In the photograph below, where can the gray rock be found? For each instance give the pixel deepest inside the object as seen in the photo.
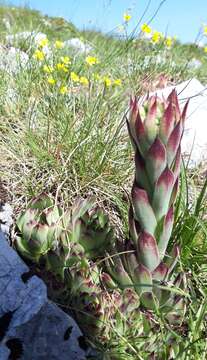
(29, 322)
(12, 60)
(4, 352)
(78, 45)
(194, 64)
(6, 220)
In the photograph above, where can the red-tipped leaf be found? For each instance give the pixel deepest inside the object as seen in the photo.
(156, 160)
(143, 211)
(147, 250)
(174, 142)
(160, 273)
(167, 123)
(141, 175)
(162, 193)
(166, 232)
(143, 279)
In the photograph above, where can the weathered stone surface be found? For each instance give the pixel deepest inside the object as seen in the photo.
(30, 325)
(78, 45)
(4, 352)
(12, 60)
(6, 220)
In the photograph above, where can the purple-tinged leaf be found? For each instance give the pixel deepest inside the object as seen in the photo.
(107, 280)
(26, 217)
(156, 160)
(176, 109)
(117, 271)
(162, 193)
(141, 176)
(143, 211)
(147, 251)
(141, 136)
(174, 142)
(166, 232)
(150, 124)
(143, 279)
(177, 163)
(160, 273)
(167, 123)
(27, 229)
(39, 238)
(184, 112)
(133, 140)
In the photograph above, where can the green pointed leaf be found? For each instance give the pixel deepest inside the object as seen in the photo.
(156, 160)
(166, 232)
(39, 240)
(174, 143)
(52, 215)
(162, 193)
(167, 123)
(41, 202)
(143, 211)
(150, 124)
(160, 273)
(142, 178)
(148, 251)
(26, 217)
(142, 279)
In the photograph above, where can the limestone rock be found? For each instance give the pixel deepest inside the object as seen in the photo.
(30, 325)
(78, 45)
(12, 60)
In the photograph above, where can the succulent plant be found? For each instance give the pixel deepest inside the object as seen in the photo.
(138, 270)
(99, 309)
(90, 227)
(38, 228)
(63, 238)
(155, 128)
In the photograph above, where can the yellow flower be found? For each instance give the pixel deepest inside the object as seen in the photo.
(74, 77)
(48, 69)
(107, 81)
(63, 90)
(117, 82)
(168, 41)
(66, 60)
(205, 49)
(43, 42)
(91, 60)
(39, 55)
(127, 17)
(205, 30)
(61, 67)
(146, 28)
(84, 80)
(51, 80)
(156, 37)
(59, 44)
